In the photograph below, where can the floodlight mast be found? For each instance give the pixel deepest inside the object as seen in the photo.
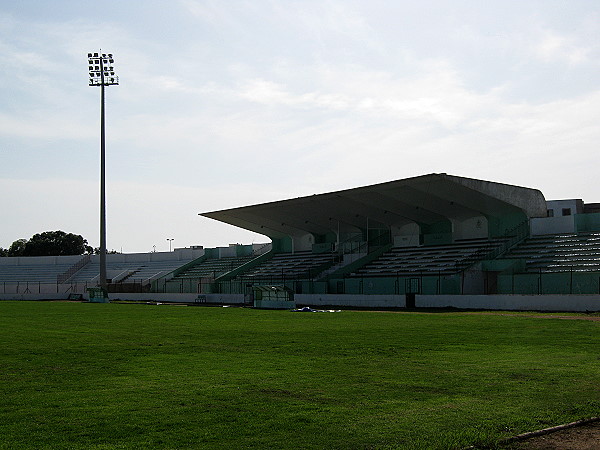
(102, 73)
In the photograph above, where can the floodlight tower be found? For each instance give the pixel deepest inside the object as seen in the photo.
(102, 73)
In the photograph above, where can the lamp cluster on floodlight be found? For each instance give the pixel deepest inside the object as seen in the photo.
(102, 72)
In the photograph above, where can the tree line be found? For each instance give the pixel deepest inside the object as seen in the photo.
(50, 243)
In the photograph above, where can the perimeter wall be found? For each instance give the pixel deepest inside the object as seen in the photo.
(574, 303)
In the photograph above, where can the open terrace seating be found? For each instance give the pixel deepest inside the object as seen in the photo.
(43, 273)
(559, 253)
(298, 265)
(438, 259)
(131, 272)
(213, 267)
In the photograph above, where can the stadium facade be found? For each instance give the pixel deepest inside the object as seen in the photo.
(431, 240)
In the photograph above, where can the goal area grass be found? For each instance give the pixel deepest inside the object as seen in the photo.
(125, 376)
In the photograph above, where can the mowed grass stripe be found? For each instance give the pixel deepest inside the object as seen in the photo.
(78, 375)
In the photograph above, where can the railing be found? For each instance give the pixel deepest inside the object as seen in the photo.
(351, 246)
(357, 245)
(40, 287)
(512, 237)
(61, 278)
(517, 235)
(379, 240)
(259, 249)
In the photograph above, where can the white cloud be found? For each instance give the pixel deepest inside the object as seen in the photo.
(38, 125)
(554, 47)
(435, 93)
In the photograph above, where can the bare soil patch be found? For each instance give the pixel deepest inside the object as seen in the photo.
(583, 437)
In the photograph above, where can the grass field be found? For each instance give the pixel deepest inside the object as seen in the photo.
(79, 375)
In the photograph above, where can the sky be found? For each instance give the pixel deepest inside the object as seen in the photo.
(232, 103)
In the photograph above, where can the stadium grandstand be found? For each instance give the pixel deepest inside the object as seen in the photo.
(386, 244)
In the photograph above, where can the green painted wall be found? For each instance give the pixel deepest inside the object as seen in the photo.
(439, 233)
(441, 227)
(310, 287)
(587, 222)
(324, 247)
(283, 245)
(243, 250)
(437, 239)
(499, 226)
(504, 265)
(450, 284)
(211, 253)
(549, 283)
(379, 236)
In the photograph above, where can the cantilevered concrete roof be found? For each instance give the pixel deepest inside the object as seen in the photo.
(425, 199)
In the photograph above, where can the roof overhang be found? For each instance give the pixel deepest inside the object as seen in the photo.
(425, 199)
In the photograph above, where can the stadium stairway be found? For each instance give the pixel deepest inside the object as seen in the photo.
(133, 272)
(212, 268)
(288, 266)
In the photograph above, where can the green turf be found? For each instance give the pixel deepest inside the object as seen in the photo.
(103, 376)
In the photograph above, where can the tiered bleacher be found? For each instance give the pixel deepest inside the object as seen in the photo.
(578, 252)
(438, 259)
(213, 267)
(71, 274)
(296, 265)
(42, 273)
(130, 272)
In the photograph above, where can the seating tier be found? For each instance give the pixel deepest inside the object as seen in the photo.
(213, 267)
(291, 266)
(438, 259)
(43, 273)
(559, 253)
(138, 271)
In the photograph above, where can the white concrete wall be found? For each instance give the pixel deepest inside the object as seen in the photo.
(304, 242)
(31, 297)
(39, 260)
(404, 240)
(552, 225)
(470, 228)
(359, 301)
(274, 304)
(557, 206)
(177, 255)
(574, 303)
(579, 303)
(406, 235)
(233, 299)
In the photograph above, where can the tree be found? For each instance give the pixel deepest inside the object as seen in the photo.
(49, 243)
(17, 247)
(108, 252)
(56, 243)
(3, 252)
